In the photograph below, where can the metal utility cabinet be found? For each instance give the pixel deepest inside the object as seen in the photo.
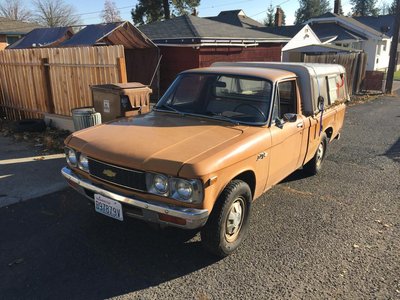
(117, 100)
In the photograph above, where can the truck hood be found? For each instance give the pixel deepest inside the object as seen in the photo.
(160, 142)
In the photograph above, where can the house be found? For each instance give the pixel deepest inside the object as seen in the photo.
(305, 41)
(43, 37)
(371, 34)
(12, 30)
(189, 42)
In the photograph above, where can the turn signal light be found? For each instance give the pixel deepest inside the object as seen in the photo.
(171, 219)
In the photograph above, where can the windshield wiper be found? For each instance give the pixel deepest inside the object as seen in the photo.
(222, 118)
(170, 108)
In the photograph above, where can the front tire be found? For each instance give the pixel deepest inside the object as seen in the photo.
(313, 167)
(228, 223)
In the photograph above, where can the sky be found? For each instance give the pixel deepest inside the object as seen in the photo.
(256, 9)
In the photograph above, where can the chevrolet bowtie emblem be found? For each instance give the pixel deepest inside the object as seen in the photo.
(109, 173)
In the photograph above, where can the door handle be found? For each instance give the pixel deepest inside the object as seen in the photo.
(300, 125)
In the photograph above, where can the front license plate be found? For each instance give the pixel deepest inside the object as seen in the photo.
(108, 207)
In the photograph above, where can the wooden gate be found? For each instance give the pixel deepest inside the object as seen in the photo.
(55, 80)
(354, 63)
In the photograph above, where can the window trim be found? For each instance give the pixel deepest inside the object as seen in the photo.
(276, 95)
(172, 89)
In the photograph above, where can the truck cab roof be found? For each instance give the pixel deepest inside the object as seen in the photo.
(272, 74)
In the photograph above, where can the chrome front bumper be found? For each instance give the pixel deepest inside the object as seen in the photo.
(194, 218)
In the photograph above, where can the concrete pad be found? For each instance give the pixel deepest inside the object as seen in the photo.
(24, 174)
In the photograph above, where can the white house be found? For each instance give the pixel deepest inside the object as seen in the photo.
(335, 33)
(371, 34)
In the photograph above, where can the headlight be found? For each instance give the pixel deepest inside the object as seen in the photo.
(190, 191)
(83, 163)
(183, 189)
(71, 157)
(187, 190)
(157, 184)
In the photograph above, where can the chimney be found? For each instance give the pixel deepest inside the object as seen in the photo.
(336, 9)
(278, 16)
(194, 12)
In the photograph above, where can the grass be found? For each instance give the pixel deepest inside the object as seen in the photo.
(397, 75)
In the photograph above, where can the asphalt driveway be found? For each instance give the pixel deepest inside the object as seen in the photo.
(335, 235)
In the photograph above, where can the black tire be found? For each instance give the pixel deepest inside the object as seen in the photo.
(313, 167)
(214, 235)
(30, 125)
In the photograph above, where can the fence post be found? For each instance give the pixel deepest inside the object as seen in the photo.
(122, 70)
(47, 85)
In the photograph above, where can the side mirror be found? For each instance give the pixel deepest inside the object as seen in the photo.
(290, 117)
(321, 103)
(220, 84)
(279, 123)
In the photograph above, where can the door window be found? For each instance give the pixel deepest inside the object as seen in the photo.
(286, 100)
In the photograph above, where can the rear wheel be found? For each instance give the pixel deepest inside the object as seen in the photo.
(228, 223)
(315, 164)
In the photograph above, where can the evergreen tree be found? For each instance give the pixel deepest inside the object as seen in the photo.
(364, 8)
(392, 8)
(147, 11)
(270, 19)
(283, 18)
(311, 8)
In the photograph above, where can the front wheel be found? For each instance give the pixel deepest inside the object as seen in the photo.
(228, 223)
(315, 164)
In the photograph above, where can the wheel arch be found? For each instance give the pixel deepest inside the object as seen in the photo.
(248, 177)
(329, 132)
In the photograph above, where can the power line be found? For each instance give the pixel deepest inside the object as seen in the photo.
(226, 4)
(264, 11)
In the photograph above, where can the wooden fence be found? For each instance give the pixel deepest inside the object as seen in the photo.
(55, 80)
(354, 63)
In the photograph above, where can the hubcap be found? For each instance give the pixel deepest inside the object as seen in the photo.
(234, 220)
(320, 153)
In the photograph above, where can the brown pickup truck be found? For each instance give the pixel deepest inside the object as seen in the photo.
(218, 139)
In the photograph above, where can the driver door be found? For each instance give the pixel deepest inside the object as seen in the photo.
(286, 137)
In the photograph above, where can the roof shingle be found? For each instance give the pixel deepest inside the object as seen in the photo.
(191, 27)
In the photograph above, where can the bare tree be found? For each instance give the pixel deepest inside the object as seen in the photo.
(55, 13)
(14, 10)
(110, 13)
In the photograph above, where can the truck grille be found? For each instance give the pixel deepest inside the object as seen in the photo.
(131, 179)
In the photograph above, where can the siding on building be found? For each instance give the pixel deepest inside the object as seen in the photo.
(178, 59)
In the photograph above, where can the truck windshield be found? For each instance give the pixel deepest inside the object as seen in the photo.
(238, 99)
